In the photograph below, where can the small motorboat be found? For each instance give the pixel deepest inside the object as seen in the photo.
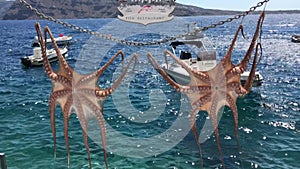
(37, 60)
(295, 38)
(62, 40)
(205, 60)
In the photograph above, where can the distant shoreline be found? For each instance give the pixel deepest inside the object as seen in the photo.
(13, 10)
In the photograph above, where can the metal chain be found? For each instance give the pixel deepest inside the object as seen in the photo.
(133, 43)
(243, 14)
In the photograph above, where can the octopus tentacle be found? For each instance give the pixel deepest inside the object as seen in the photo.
(66, 115)
(250, 79)
(244, 63)
(101, 121)
(85, 137)
(66, 126)
(234, 86)
(213, 114)
(193, 117)
(81, 114)
(219, 143)
(193, 73)
(155, 64)
(227, 57)
(88, 91)
(233, 72)
(201, 89)
(203, 100)
(63, 80)
(97, 111)
(108, 91)
(52, 104)
(58, 94)
(241, 91)
(48, 69)
(62, 61)
(98, 73)
(183, 64)
(231, 101)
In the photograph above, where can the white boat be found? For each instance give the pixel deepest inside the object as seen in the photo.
(62, 40)
(205, 59)
(37, 60)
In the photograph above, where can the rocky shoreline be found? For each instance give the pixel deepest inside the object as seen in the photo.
(69, 9)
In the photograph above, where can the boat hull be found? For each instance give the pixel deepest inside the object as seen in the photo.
(177, 77)
(60, 41)
(30, 61)
(184, 79)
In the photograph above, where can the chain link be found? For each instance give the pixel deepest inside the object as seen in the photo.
(133, 43)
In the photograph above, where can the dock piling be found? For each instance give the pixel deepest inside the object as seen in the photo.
(2, 161)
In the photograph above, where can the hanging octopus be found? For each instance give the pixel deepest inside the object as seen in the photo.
(207, 88)
(73, 91)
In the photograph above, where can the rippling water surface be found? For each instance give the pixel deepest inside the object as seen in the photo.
(269, 125)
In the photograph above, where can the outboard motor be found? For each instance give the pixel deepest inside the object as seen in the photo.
(26, 62)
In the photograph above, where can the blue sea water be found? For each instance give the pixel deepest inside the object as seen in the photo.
(269, 135)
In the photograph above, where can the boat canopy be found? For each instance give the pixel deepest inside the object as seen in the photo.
(197, 43)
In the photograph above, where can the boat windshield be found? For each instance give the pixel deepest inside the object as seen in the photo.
(200, 49)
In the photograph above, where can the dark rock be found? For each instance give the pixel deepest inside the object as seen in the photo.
(4, 7)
